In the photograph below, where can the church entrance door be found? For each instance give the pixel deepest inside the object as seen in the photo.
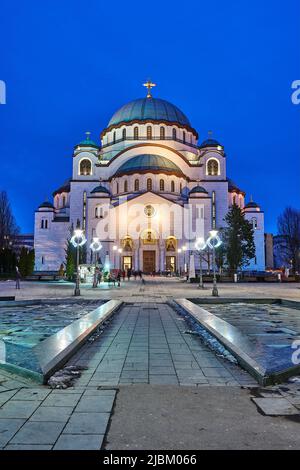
(171, 263)
(148, 261)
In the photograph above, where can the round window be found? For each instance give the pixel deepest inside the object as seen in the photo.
(149, 210)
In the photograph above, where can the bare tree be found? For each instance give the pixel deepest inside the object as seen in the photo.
(8, 226)
(289, 231)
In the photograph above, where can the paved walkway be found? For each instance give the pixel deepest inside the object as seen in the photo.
(148, 343)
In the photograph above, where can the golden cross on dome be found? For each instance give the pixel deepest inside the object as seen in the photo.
(149, 85)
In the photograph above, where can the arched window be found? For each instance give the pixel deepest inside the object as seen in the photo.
(212, 167)
(254, 223)
(136, 185)
(125, 186)
(161, 185)
(174, 133)
(149, 184)
(44, 223)
(162, 133)
(114, 137)
(172, 187)
(183, 136)
(124, 133)
(117, 188)
(99, 212)
(85, 167)
(149, 132)
(180, 187)
(136, 133)
(64, 201)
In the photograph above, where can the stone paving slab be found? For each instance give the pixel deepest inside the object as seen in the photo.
(8, 428)
(87, 423)
(38, 433)
(58, 414)
(18, 409)
(79, 442)
(92, 404)
(276, 406)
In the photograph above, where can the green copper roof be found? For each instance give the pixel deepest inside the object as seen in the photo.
(100, 189)
(148, 162)
(144, 109)
(210, 143)
(198, 189)
(88, 142)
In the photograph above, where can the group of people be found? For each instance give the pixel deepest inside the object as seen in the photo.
(130, 273)
(118, 275)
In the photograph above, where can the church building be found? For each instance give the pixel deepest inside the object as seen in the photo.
(148, 189)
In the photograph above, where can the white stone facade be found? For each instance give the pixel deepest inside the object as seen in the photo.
(144, 161)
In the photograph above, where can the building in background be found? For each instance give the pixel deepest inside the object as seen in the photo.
(23, 241)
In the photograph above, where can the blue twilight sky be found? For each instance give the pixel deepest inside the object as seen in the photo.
(229, 65)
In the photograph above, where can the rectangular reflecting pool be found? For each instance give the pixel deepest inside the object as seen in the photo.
(264, 334)
(27, 330)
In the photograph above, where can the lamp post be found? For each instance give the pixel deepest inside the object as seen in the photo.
(120, 251)
(95, 246)
(214, 242)
(184, 248)
(114, 250)
(78, 240)
(179, 253)
(200, 246)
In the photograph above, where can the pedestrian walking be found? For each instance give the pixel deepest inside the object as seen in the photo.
(18, 277)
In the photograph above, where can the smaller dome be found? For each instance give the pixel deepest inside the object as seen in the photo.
(210, 143)
(198, 189)
(100, 189)
(46, 204)
(251, 205)
(149, 163)
(87, 142)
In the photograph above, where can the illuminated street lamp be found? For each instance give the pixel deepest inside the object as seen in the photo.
(200, 245)
(77, 240)
(95, 246)
(214, 242)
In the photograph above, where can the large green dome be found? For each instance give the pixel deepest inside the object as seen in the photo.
(153, 109)
(148, 162)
